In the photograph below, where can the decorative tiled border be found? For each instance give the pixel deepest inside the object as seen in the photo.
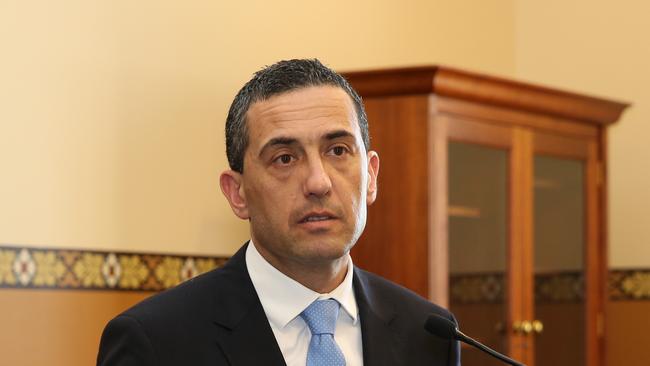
(560, 287)
(477, 288)
(482, 288)
(22, 267)
(26, 267)
(629, 284)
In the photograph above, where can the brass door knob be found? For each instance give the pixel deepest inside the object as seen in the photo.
(538, 326)
(522, 327)
(516, 327)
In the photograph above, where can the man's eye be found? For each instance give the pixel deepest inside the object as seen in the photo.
(338, 150)
(284, 159)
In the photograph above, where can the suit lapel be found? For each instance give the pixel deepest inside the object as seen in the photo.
(381, 341)
(243, 332)
(245, 336)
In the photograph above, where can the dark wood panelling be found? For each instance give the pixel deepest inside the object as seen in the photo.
(564, 325)
(468, 131)
(482, 322)
(509, 117)
(627, 333)
(561, 146)
(593, 254)
(395, 240)
(59, 328)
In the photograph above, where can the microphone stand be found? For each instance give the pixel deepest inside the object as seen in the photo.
(472, 342)
(446, 329)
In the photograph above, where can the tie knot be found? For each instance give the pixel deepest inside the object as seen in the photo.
(321, 315)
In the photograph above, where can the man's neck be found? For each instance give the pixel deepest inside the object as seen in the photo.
(322, 276)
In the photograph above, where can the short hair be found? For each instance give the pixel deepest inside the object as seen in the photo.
(279, 78)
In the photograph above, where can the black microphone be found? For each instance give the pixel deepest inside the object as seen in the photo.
(446, 329)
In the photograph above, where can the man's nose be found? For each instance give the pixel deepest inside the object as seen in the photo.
(317, 182)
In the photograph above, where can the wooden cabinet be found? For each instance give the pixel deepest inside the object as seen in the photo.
(492, 203)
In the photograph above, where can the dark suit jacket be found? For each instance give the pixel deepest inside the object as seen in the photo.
(217, 319)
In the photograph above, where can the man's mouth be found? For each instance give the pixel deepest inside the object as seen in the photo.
(315, 217)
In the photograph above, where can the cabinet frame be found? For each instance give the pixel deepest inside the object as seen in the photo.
(424, 107)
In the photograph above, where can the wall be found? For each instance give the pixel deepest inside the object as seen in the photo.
(112, 111)
(600, 47)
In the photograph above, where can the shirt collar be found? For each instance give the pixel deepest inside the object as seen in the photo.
(283, 298)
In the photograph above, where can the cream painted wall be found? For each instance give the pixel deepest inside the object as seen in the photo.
(111, 112)
(600, 47)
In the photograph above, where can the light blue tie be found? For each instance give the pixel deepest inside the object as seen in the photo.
(320, 317)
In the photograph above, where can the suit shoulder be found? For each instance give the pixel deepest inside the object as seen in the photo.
(403, 299)
(407, 312)
(192, 296)
(173, 327)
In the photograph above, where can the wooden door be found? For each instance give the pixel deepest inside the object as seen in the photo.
(485, 177)
(567, 253)
(521, 212)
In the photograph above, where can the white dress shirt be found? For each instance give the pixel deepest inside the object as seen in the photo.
(283, 299)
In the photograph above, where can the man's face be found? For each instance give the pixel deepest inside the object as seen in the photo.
(307, 177)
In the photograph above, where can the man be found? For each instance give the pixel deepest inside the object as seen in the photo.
(302, 174)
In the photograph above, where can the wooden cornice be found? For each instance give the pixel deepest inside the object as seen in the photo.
(474, 87)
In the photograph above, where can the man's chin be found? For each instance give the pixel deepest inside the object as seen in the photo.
(324, 252)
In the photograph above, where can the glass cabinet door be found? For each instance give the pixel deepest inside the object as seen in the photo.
(559, 205)
(480, 171)
(524, 257)
(478, 235)
(566, 305)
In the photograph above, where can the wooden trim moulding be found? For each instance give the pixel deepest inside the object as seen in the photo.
(469, 86)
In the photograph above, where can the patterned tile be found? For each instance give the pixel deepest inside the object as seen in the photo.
(628, 284)
(7, 259)
(482, 288)
(477, 288)
(559, 287)
(22, 267)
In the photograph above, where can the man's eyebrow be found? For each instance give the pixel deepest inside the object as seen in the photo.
(278, 141)
(336, 134)
(285, 141)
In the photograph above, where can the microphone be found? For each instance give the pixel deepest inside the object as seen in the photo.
(446, 329)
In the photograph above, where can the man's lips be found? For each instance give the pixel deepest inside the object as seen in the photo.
(317, 216)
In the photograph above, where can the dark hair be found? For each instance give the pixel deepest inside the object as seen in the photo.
(279, 78)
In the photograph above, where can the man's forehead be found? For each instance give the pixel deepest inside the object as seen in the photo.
(313, 111)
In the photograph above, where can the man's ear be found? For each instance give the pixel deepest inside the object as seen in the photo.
(232, 187)
(373, 172)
